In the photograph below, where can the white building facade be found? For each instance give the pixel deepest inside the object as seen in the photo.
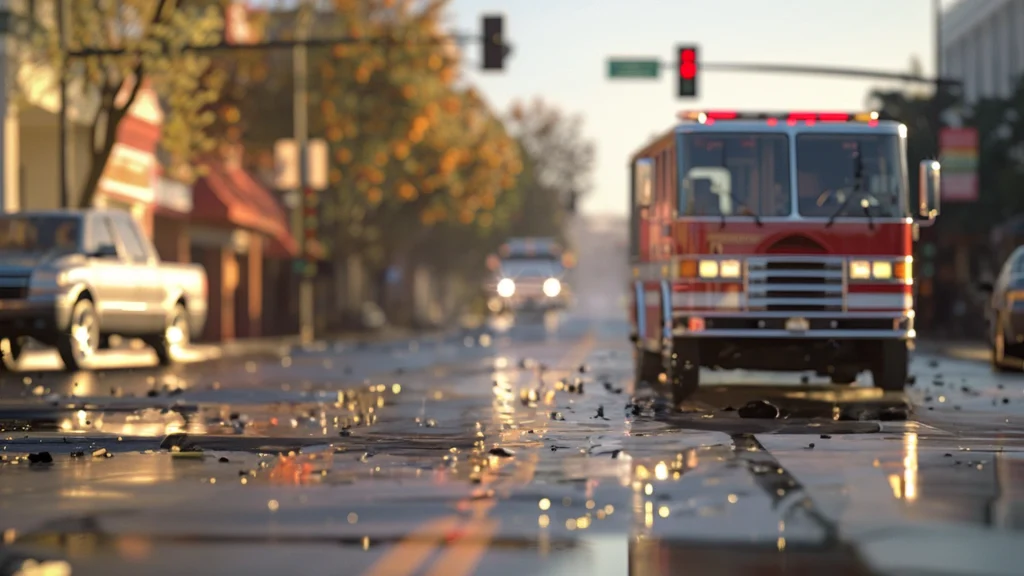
(983, 45)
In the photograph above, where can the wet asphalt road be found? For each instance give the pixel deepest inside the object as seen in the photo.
(476, 453)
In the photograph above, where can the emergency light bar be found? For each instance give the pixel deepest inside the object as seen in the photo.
(791, 118)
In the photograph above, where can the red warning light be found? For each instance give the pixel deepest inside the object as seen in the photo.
(688, 64)
(687, 71)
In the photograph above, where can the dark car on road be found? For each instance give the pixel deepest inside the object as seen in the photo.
(1006, 313)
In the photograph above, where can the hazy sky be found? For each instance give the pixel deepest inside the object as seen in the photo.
(561, 48)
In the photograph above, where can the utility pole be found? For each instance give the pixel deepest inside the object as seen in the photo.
(62, 128)
(300, 80)
(5, 29)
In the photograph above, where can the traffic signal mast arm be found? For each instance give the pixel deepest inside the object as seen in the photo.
(688, 66)
(495, 50)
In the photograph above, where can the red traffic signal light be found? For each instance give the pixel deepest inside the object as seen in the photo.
(688, 71)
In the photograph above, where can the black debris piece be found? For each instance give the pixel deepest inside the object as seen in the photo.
(502, 452)
(40, 458)
(894, 414)
(760, 409)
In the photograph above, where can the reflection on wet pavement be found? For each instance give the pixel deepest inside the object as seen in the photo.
(525, 451)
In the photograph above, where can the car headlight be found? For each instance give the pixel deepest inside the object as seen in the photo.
(552, 287)
(729, 269)
(881, 270)
(506, 288)
(708, 269)
(860, 270)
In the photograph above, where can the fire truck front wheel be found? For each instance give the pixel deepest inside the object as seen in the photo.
(889, 369)
(647, 366)
(682, 368)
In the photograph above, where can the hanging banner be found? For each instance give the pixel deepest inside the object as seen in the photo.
(958, 155)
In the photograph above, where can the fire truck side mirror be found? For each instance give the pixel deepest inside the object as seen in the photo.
(928, 195)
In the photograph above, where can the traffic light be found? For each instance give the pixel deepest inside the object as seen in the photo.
(495, 49)
(687, 71)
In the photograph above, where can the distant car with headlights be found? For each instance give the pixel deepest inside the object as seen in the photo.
(70, 279)
(530, 275)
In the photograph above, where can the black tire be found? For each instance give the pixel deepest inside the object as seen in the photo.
(682, 367)
(647, 367)
(77, 345)
(843, 376)
(890, 365)
(167, 344)
(1001, 351)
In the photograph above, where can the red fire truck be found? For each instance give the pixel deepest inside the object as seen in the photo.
(775, 242)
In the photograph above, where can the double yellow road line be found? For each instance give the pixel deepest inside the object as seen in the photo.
(465, 541)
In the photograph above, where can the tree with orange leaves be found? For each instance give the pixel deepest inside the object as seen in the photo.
(407, 148)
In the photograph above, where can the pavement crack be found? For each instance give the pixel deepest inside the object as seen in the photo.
(783, 489)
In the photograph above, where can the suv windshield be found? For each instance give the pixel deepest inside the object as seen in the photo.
(42, 234)
(826, 175)
(736, 174)
(530, 267)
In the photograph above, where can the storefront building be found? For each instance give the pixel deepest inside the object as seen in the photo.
(236, 225)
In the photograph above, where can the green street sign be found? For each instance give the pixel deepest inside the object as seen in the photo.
(633, 68)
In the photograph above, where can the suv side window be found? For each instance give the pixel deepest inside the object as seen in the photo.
(100, 234)
(1018, 263)
(133, 245)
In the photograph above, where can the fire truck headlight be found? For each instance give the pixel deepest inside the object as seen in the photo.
(552, 287)
(506, 288)
(708, 269)
(729, 268)
(881, 270)
(860, 270)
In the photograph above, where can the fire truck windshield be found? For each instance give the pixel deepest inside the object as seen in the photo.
(827, 172)
(735, 175)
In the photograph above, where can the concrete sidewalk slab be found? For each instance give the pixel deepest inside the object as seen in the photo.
(134, 354)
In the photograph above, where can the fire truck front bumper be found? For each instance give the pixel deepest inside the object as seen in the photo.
(795, 325)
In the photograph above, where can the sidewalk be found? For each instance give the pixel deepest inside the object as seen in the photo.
(974, 350)
(134, 354)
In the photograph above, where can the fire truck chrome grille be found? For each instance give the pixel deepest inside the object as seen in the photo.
(795, 284)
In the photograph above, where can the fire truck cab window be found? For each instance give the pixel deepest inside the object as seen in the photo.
(735, 174)
(827, 167)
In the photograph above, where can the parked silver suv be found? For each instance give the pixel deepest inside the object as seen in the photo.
(70, 279)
